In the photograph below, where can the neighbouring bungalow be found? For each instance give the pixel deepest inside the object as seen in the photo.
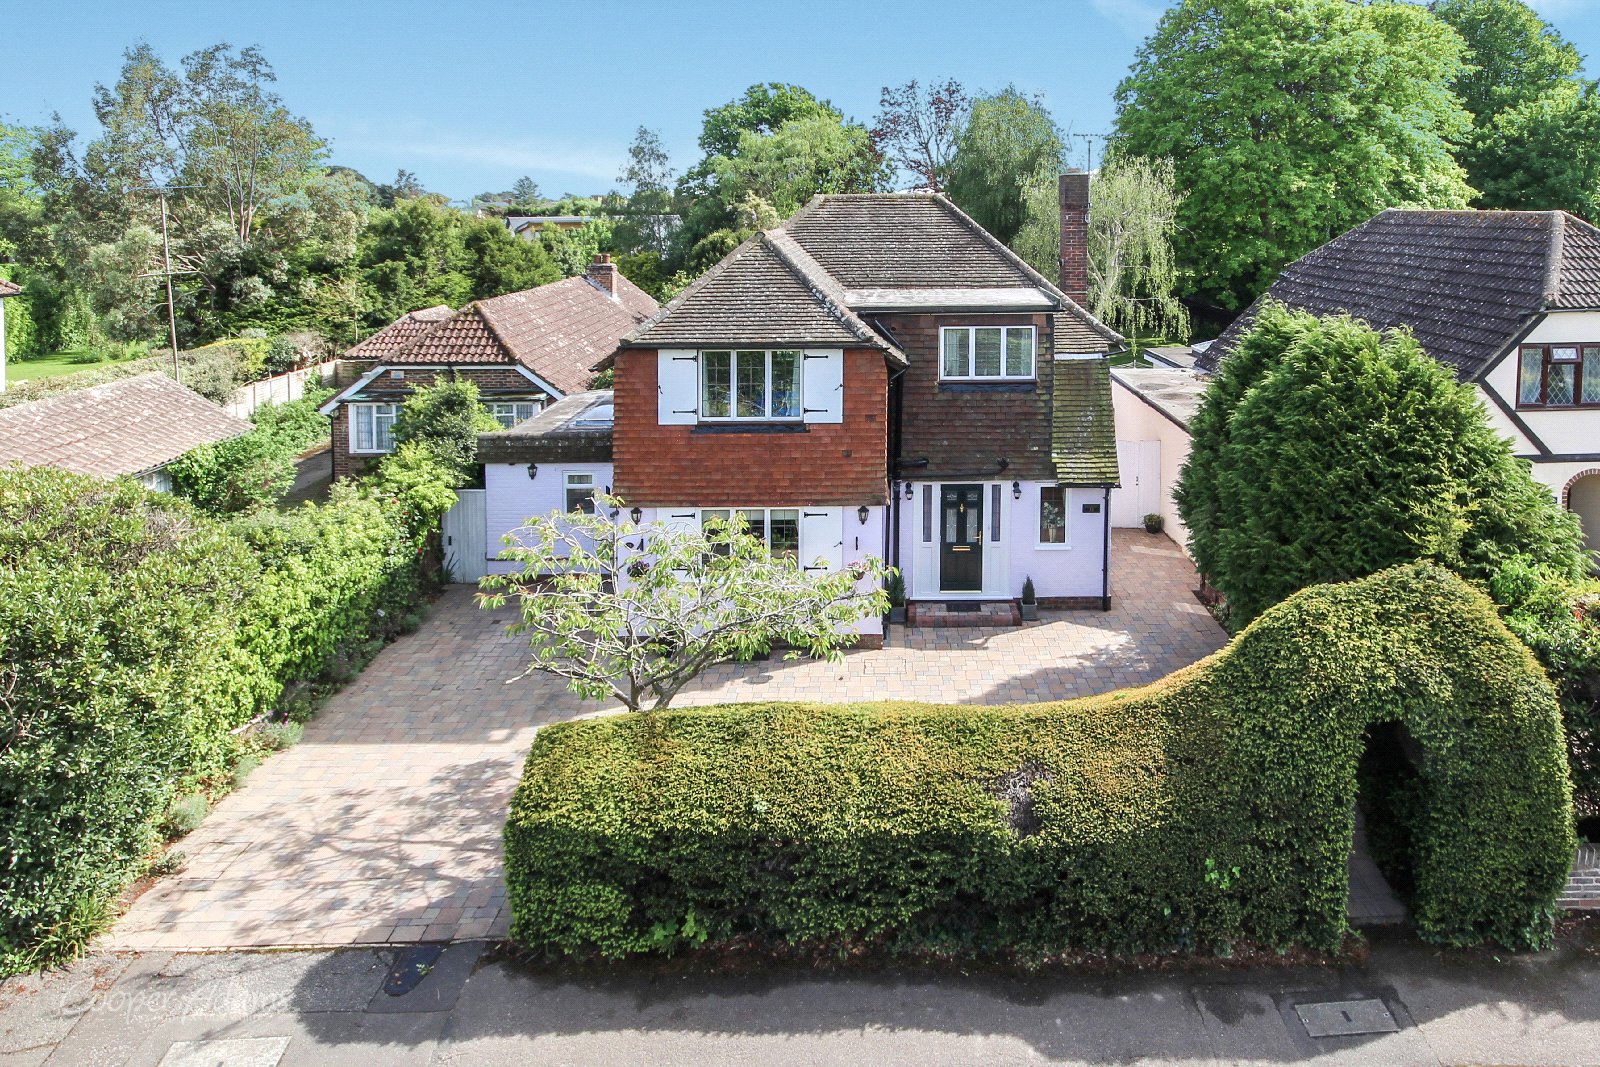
(134, 427)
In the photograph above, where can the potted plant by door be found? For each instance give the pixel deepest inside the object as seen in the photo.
(1030, 602)
(1152, 523)
(896, 588)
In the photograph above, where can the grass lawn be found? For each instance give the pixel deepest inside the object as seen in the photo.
(27, 370)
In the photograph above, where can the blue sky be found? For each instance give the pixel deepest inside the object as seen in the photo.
(470, 96)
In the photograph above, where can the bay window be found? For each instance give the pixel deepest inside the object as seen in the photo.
(1559, 375)
(987, 352)
(372, 427)
(750, 384)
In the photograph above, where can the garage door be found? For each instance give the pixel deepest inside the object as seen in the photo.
(1140, 495)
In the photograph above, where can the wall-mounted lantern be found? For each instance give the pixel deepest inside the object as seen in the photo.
(863, 513)
(1016, 490)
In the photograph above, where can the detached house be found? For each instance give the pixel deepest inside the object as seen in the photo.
(523, 350)
(877, 376)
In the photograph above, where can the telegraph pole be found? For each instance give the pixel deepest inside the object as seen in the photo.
(167, 272)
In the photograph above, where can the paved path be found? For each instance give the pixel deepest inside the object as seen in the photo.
(383, 824)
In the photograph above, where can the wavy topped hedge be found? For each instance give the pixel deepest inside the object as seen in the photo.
(1210, 808)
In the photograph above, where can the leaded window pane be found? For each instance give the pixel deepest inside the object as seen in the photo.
(716, 371)
(1560, 380)
(1530, 380)
(785, 385)
(957, 353)
(1019, 353)
(750, 392)
(1591, 375)
(986, 352)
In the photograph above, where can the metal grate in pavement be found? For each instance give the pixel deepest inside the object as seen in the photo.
(1346, 1018)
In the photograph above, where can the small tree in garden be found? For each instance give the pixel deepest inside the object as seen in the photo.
(633, 613)
(446, 419)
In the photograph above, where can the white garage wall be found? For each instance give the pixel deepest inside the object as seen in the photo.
(512, 497)
(1138, 421)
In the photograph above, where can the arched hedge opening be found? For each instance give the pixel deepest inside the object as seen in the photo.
(1212, 808)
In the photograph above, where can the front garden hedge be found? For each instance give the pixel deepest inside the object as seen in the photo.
(1210, 810)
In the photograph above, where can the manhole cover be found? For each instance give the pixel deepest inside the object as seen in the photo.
(1343, 1018)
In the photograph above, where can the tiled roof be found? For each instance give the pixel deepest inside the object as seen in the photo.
(768, 291)
(1078, 332)
(400, 332)
(558, 331)
(1466, 282)
(123, 427)
(9, 288)
(575, 429)
(1083, 432)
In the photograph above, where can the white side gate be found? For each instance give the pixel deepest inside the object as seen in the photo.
(465, 532)
(1140, 495)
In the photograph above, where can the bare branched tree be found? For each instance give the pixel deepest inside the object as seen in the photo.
(917, 129)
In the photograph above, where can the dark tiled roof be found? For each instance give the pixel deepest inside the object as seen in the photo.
(574, 429)
(1083, 432)
(558, 331)
(1466, 282)
(123, 427)
(9, 288)
(905, 241)
(400, 332)
(1078, 332)
(768, 291)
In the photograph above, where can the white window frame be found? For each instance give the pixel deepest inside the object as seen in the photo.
(571, 480)
(1066, 525)
(766, 521)
(373, 414)
(499, 408)
(972, 355)
(733, 385)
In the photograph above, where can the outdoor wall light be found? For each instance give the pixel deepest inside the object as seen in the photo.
(908, 490)
(863, 513)
(635, 514)
(1016, 490)
(533, 470)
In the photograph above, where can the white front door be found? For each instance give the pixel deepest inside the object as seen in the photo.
(1140, 495)
(465, 532)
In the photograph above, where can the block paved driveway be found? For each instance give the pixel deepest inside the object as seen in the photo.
(383, 824)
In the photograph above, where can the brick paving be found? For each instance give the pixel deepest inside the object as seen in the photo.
(383, 824)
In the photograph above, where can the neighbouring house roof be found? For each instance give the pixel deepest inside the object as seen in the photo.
(574, 429)
(557, 331)
(9, 288)
(1083, 431)
(1466, 282)
(1174, 392)
(400, 332)
(128, 426)
(1181, 356)
(806, 281)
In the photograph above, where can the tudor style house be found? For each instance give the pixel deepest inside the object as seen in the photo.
(523, 350)
(878, 376)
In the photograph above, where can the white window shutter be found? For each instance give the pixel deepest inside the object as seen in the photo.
(678, 388)
(822, 538)
(822, 381)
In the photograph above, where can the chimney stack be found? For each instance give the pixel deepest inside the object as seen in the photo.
(1074, 191)
(603, 273)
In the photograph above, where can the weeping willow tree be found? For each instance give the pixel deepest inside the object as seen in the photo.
(1133, 208)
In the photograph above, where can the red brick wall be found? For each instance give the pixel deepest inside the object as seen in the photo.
(965, 434)
(494, 382)
(1073, 193)
(839, 463)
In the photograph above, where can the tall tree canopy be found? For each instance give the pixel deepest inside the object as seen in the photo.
(1289, 122)
(1535, 141)
(916, 129)
(1009, 142)
(1325, 451)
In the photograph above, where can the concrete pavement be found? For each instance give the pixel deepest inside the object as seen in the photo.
(289, 1009)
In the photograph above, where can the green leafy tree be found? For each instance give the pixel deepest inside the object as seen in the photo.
(525, 194)
(1326, 451)
(243, 473)
(1133, 213)
(634, 613)
(646, 222)
(445, 418)
(1290, 121)
(1009, 143)
(1535, 142)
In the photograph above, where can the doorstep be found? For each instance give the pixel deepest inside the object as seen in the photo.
(963, 613)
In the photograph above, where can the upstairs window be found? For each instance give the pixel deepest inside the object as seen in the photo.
(993, 353)
(1559, 376)
(509, 413)
(372, 427)
(750, 385)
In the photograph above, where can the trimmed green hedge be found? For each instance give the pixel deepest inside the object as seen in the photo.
(1211, 808)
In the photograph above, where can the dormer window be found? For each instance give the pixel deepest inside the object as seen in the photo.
(1559, 376)
(750, 384)
(987, 353)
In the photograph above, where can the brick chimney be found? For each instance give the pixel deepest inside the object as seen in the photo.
(603, 273)
(1074, 190)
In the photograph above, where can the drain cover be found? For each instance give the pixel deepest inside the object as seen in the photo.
(1343, 1018)
(411, 966)
(963, 607)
